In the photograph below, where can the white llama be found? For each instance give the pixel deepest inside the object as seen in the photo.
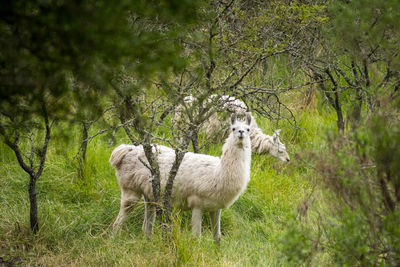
(261, 143)
(203, 183)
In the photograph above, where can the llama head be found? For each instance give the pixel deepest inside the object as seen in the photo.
(240, 130)
(278, 149)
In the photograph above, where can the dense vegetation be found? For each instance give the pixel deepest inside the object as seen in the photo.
(76, 215)
(74, 85)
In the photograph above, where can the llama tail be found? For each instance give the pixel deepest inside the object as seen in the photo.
(118, 154)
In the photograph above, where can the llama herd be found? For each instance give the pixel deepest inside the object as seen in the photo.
(203, 183)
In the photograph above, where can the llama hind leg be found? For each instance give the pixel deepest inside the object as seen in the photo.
(216, 224)
(149, 217)
(196, 221)
(146, 213)
(128, 201)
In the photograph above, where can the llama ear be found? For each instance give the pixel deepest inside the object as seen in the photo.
(248, 118)
(233, 118)
(276, 135)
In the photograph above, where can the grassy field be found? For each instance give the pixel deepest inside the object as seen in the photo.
(75, 215)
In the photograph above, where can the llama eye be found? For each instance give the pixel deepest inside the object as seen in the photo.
(248, 129)
(233, 129)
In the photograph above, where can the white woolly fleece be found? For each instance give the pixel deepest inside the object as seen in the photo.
(203, 181)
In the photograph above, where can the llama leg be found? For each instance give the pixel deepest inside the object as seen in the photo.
(149, 217)
(146, 212)
(196, 222)
(128, 201)
(216, 224)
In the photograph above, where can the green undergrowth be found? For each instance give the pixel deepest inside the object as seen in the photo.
(76, 214)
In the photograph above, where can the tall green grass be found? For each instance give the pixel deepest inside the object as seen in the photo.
(75, 214)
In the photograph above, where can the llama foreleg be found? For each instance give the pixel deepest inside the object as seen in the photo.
(128, 201)
(196, 222)
(216, 224)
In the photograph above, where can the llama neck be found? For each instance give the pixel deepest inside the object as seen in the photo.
(234, 171)
(261, 142)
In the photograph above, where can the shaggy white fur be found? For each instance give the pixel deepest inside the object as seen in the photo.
(261, 143)
(203, 183)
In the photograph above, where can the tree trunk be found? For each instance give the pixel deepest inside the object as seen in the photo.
(339, 113)
(33, 204)
(389, 203)
(33, 176)
(170, 182)
(82, 161)
(357, 107)
(195, 143)
(155, 173)
(85, 135)
(335, 102)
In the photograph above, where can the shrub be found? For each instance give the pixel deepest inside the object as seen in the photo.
(358, 176)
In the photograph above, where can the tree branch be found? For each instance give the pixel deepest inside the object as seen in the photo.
(46, 141)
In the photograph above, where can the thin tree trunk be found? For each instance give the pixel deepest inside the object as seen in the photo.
(33, 176)
(335, 102)
(339, 113)
(195, 143)
(85, 135)
(168, 188)
(358, 105)
(155, 172)
(337, 106)
(33, 204)
(389, 203)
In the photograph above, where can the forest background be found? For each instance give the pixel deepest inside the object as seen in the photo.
(77, 78)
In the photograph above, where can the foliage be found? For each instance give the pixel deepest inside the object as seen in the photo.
(76, 216)
(352, 216)
(223, 50)
(353, 57)
(362, 26)
(359, 178)
(48, 46)
(132, 64)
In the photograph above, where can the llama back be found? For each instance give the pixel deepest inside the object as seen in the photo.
(197, 176)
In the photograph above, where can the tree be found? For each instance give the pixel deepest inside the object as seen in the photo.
(229, 44)
(33, 162)
(47, 45)
(353, 58)
(353, 214)
(230, 49)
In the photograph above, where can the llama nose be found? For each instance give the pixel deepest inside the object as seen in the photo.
(241, 133)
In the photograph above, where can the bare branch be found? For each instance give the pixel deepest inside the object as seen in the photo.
(46, 141)
(14, 146)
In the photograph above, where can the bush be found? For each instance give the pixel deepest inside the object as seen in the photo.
(358, 176)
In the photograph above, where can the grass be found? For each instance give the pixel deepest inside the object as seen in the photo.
(75, 215)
